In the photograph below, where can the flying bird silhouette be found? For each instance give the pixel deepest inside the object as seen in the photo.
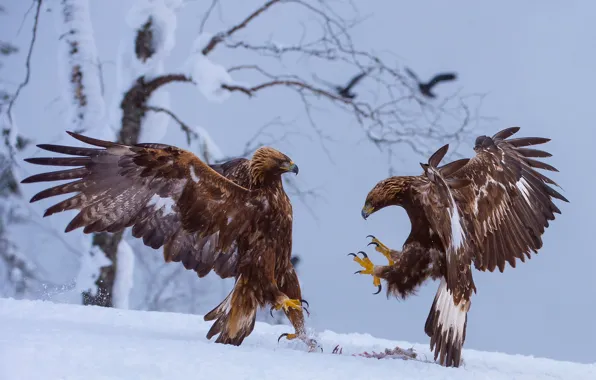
(425, 88)
(344, 91)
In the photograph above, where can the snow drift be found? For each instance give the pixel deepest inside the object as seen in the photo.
(43, 340)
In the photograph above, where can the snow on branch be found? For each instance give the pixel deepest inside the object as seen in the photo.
(140, 71)
(90, 268)
(134, 105)
(79, 69)
(123, 281)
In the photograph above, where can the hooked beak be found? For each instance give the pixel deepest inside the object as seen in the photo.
(290, 167)
(366, 211)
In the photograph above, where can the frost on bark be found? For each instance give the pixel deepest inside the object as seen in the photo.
(134, 108)
(80, 68)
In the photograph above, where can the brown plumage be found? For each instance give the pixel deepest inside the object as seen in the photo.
(488, 210)
(234, 218)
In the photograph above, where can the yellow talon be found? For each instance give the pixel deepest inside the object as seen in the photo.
(288, 336)
(380, 247)
(288, 303)
(368, 268)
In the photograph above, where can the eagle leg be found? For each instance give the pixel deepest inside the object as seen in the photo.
(286, 304)
(369, 268)
(311, 343)
(380, 247)
(301, 302)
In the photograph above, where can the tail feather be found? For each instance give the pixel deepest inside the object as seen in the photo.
(446, 327)
(235, 316)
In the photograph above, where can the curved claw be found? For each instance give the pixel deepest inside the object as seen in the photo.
(378, 291)
(372, 242)
(363, 254)
(271, 312)
(307, 312)
(281, 336)
(304, 301)
(352, 254)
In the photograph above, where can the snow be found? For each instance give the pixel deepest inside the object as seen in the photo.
(207, 75)
(162, 14)
(78, 53)
(92, 260)
(164, 23)
(88, 342)
(124, 275)
(206, 146)
(155, 124)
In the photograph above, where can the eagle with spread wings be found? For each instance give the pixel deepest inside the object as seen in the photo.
(233, 218)
(488, 210)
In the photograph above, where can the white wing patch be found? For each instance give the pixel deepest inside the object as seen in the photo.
(451, 317)
(158, 202)
(522, 186)
(457, 232)
(193, 174)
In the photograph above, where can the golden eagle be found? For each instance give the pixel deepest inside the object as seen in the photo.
(233, 218)
(488, 210)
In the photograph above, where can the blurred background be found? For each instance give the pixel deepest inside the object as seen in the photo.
(271, 73)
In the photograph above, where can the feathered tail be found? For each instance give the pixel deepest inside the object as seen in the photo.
(446, 326)
(235, 316)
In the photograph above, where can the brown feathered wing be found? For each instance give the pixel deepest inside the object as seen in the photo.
(167, 195)
(501, 216)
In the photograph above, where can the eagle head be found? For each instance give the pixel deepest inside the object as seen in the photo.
(388, 192)
(267, 162)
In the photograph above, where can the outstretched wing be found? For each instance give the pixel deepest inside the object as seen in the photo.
(167, 195)
(509, 204)
(444, 77)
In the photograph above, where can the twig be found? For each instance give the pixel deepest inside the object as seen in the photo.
(190, 133)
(207, 14)
(25, 17)
(216, 39)
(27, 62)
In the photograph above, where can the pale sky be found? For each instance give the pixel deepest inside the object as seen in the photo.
(534, 60)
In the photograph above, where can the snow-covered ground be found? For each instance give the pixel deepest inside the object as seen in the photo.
(43, 340)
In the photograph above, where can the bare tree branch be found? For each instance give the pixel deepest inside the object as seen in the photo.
(134, 104)
(207, 14)
(25, 16)
(27, 61)
(394, 113)
(189, 132)
(219, 37)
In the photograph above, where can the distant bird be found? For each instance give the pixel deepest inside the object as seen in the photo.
(486, 211)
(425, 88)
(344, 91)
(234, 219)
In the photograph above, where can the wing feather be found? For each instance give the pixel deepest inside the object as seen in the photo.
(509, 204)
(167, 195)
